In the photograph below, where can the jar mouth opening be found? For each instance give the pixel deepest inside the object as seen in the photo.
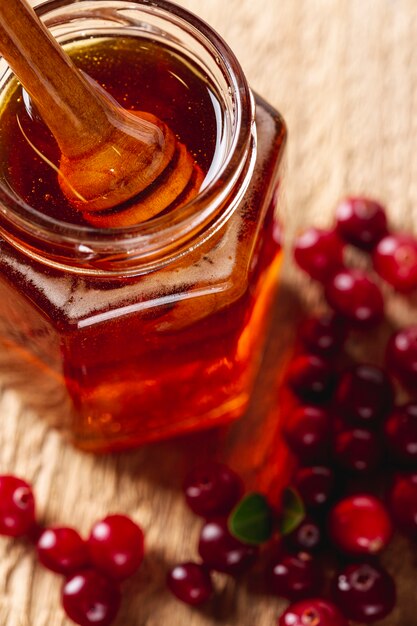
(192, 216)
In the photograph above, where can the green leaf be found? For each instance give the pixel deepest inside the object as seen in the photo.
(293, 511)
(252, 520)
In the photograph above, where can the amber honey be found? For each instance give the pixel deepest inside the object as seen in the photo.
(140, 76)
(132, 354)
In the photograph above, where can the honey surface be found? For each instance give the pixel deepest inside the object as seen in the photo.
(141, 75)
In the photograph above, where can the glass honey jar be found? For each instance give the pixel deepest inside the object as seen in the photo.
(131, 334)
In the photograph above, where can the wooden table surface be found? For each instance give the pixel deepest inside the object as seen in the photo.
(344, 74)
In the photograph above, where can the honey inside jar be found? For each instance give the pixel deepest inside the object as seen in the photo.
(128, 336)
(140, 76)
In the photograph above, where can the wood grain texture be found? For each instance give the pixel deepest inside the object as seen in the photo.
(344, 74)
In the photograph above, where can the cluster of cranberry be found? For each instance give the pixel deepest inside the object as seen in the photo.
(347, 425)
(353, 293)
(93, 568)
(211, 491)
(344, 427)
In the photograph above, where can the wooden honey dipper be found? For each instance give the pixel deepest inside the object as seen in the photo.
(117, 167)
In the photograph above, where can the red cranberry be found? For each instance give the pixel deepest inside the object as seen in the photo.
(311, 378)
(312, 612)
(315, 485)
(319, 253)
(364, 592)
(307, 537)
(361, 222)
(212, 489)
(190, 583)
(365, 394)
(360, 524)
(17, 507)
(221, 551)
(401, 433)
(401, 356)
(91, 599)
(357, 449)
(323, 335)
(62, 550)
(294, 576)
(354, 295)
(307, 433)
(395, 260)
(116, 546)
(402, 499)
